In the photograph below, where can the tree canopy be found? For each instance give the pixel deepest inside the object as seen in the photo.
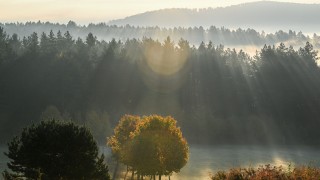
(154, 147)
(121, 137)
(55, 150)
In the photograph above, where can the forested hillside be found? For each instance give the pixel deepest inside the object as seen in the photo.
(217, 95)
(262, 15)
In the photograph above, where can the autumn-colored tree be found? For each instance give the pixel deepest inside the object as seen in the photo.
(157, 147)
(118, 142)
(121, 135)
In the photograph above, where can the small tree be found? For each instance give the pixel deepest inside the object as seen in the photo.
(91, 40)
(157, 147)
(55, 150)
(122, 132)
(121, 137)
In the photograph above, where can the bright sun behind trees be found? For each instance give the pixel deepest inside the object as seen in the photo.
(151, 145)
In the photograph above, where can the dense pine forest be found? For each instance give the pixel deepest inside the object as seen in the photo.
(195, 35)
(218, 95)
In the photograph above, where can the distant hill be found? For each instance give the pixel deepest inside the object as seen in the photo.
(263, 15)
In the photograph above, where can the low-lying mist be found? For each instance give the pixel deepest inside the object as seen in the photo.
(195, 35)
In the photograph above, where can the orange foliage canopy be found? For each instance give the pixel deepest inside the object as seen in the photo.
(155, 147)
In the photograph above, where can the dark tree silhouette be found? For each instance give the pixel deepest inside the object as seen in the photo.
(55, 150)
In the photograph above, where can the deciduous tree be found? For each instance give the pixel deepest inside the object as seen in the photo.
(157, 147)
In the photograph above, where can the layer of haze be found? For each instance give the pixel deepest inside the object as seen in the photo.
(87, 11)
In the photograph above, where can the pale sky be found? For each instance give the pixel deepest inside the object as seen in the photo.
(85, 11)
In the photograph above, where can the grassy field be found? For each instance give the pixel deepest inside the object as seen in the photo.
(205, 161)
(214, 162)
(269, 172)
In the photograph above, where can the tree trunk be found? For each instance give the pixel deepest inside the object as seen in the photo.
(169, 177)
(159, 176)
(132, 175)
(125, 176)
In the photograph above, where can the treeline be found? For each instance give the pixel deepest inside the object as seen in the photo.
(217, 95)
(194, 35)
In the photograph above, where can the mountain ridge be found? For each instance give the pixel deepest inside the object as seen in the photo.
(260, 14)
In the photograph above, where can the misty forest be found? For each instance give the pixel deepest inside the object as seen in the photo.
(220, 95)
(103, 101)
(195, 35)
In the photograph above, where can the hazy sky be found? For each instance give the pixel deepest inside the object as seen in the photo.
(85, 11)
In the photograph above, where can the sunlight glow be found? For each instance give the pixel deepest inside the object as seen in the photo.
(277, 161)
(164, 65)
